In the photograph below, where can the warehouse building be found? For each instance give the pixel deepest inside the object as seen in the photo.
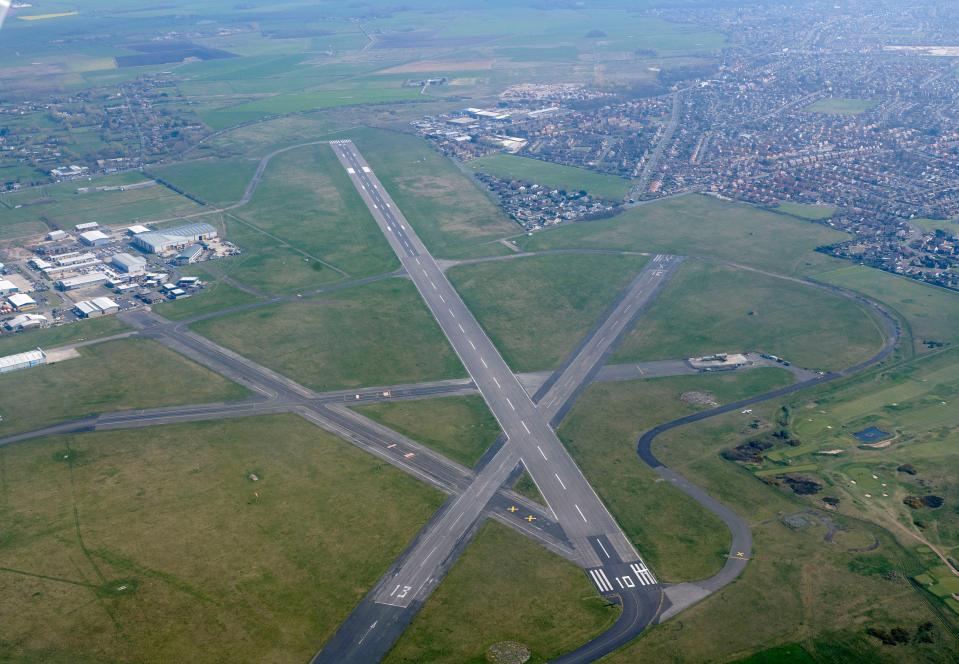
(189, 255)
(22, 302)
(129, 263)
(81, 281)
(22, 361)
(98, 306)
(26, 321)
(8, 287)
(137, 230)
(95, 238)
(89, 226)
(173, 239)
(56, 236)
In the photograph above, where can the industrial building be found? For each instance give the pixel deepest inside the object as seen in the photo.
(89, 226)
(56, 236)
(26, 321)
(8, 287)
(22, 361)
(129, 263)
(137, 230)
(95, 238)
(189, 255)
(173, 239)
(81, 281)
(98, 306)
(22, 302)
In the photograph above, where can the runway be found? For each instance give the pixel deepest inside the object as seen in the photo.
(600, 545)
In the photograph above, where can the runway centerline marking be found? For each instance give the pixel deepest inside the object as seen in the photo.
(484, 363)
(600, 542)
(451, 312)
(542, 452)
(510, 403)
(580, 512)
(560, 481)
(524, 426)
(497, 382)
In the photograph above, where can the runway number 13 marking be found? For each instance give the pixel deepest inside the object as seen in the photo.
(402, 593)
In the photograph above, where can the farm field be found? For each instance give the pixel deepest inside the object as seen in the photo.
(93, 582)
(537, 309)
(839, 106)
(710, 308)
(697, 225)
(601, 432)
(107, 377)
(550, 175)
(459, 428)
(298, 102)
(448, 210)
(496, 576)
(377, 334)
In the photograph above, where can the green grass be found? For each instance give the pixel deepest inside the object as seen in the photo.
(793, 653)
(214, 181)
(299, 102)
(306, 207)
(378, 334)
(797, 587)
(932, 225)
(931, 314)
(525, 486)
(806, 211)
(60, 204)
(217, 296)
(554, 176)
(488, 597)
(702, 226)
(269, 575)
(62, 335)
(680, 540)
(114, 375)
(448, 210)
(459, 428)
(710, 308)
(536, 309)
(783, 470)
(839, 106)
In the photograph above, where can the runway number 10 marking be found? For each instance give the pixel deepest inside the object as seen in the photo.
(402, 593)
(625, 582)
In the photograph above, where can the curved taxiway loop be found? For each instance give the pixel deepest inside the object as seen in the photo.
(634, 619)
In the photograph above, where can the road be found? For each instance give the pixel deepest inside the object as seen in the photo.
(600, 545)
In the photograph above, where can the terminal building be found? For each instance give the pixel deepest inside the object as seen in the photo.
(170, 240)
(22, 361)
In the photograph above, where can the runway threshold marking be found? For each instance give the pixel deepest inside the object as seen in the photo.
(601, 580)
